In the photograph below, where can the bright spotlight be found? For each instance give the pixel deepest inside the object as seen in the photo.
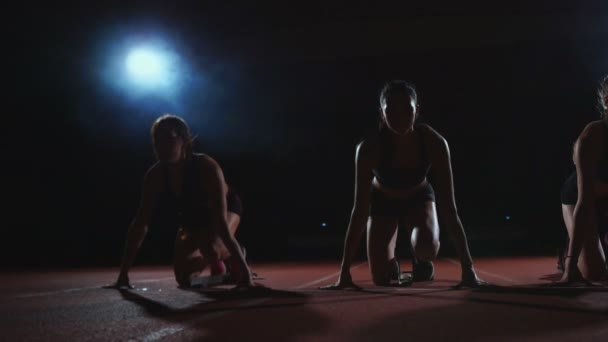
(147, 67)
(150, 69)
(143, 63)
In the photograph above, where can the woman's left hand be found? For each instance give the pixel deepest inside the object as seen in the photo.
(470, 278)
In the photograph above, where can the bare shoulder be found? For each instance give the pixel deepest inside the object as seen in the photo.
(591, 139)
(368, 149)
(433, 137)
(367, 145)
(593, 130)
(207, 163)
(205, 160)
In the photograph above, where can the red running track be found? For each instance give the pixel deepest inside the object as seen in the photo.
(70, 306)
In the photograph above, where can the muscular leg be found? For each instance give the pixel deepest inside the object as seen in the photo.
(592, 260)
(421, 222)
(188, 261)
(381, 241)
(425, 230)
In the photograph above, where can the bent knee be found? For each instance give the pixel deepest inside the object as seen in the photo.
(185, 270)
(427, 251)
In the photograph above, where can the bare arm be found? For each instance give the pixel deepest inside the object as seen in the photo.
(364, 164)
(586, 158)
(446, 207)
(137, 230)
(600, 187)
(217, 194)
(360, 212)
(446, 203)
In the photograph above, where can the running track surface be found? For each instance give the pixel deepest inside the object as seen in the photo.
(70, 305)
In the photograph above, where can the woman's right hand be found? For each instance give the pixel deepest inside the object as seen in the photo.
(121, 283)
(572, 277)
(344, 282)
(250, 288)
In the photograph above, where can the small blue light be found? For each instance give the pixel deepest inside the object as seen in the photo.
(323, 224)
(508, 218)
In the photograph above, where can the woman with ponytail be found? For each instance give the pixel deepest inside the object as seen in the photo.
(187, 192)
(392, 189)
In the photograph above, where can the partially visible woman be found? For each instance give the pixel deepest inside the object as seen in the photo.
(584, 213)
(592, 261)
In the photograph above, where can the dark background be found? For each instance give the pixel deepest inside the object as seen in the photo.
(280, 95)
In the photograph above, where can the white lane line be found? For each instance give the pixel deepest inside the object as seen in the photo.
(422, 289)
(497, 276)
(320, 280)
(77, 289)
(174, 329)
(171, 330)
(153, 280)
(161, 333)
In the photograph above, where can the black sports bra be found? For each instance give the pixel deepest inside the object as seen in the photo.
(187, 210)
(401, 177)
